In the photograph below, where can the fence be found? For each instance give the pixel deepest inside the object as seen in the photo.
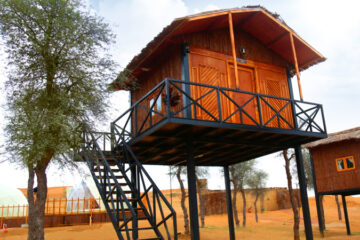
(57, 212)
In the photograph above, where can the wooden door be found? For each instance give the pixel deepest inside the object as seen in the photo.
(205, 69)
(274, 82)
(246, 102)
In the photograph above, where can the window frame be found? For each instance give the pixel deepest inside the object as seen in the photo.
(346, 168)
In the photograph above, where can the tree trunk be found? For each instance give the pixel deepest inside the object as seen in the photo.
(292, 197)
(33, 228)
(237, 222)
(244, 206)
(255, 207)
(201, 202)
(338, 207)
(37, 205)
(183, 198)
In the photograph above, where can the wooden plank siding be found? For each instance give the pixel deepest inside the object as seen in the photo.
(211, 56)
(328, 179)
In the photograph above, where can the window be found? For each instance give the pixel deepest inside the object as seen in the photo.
(157, 106)
(345, 163)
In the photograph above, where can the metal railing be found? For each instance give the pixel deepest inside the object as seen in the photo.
(113, 195)
(169, 99)
(140, 188)
(159, 211)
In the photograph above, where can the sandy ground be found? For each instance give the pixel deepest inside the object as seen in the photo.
(272, 225)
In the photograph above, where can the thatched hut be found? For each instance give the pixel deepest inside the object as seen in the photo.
(336, 162)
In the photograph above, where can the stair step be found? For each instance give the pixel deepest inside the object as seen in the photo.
(102, 177)
(126, 192)
(143, 228)
(102, 170)
(129, 199)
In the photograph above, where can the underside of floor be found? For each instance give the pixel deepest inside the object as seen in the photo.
(166, 144)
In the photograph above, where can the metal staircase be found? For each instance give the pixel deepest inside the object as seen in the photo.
(135, 205)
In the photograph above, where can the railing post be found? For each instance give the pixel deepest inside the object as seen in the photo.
(135, 120)
(219, 103)
(112, 136)
(292, 98)
(259, 109)
(323, 118)
(167, 100)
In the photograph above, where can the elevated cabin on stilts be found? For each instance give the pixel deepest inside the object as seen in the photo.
(335, 163)
(213, 89)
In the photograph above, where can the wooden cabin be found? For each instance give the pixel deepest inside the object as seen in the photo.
(336, 162)
(214, 89)
(187, 82)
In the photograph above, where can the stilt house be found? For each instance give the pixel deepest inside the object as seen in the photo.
(212, 89)
(336, 162)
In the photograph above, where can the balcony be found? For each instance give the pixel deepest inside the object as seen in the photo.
(225, 125)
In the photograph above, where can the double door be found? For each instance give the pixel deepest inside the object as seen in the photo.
(236, 103)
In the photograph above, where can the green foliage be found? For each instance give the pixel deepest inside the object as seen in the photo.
(307, 169)
(257, 179)
(57, 75)
(241, 172)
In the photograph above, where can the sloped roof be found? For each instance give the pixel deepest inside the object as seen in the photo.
(349, 134)
(267, 27)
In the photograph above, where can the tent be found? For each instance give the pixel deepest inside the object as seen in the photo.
(85, 190)
(12, 202)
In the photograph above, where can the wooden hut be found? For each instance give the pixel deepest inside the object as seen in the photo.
(212, 89)
(336, 162)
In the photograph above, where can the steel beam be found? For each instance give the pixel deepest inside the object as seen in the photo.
(303, 191)
(193, 206)
(346, 215)
(229, 204)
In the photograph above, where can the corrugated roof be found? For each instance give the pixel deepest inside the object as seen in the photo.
(349, 134)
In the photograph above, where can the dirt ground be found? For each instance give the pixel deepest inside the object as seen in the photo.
(272, 225)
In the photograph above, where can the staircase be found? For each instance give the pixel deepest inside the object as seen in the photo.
(137, 208)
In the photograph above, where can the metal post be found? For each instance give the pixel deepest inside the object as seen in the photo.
(304, 197)
(291, 92)
(229, 203)
(135, 232)
(317, 199)
(193, 206)
(185, 76)
(346, 215)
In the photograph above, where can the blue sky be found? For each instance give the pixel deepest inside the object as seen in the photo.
(330, 27)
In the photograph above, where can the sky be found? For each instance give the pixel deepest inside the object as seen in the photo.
(330, 27)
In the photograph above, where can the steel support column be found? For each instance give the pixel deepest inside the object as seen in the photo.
(346, 215)
(193, 206)
(134, 182)
(229, 203)
(303, 191)
(317, 199)
(185, 76)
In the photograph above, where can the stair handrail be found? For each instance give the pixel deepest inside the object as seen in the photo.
(156, 190)
(93, 141)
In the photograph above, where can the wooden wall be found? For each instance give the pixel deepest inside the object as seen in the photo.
(219, 41)
(327, 177)
(268, 68)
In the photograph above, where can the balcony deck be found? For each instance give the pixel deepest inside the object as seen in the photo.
(161, 137)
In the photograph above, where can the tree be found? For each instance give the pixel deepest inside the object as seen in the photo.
(201, 172)
(56, 82)
(239, 174)
(257, 182)
(178, 171)
(287, 159)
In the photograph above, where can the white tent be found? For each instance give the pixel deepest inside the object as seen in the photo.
(12, 202)
(85, 190)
